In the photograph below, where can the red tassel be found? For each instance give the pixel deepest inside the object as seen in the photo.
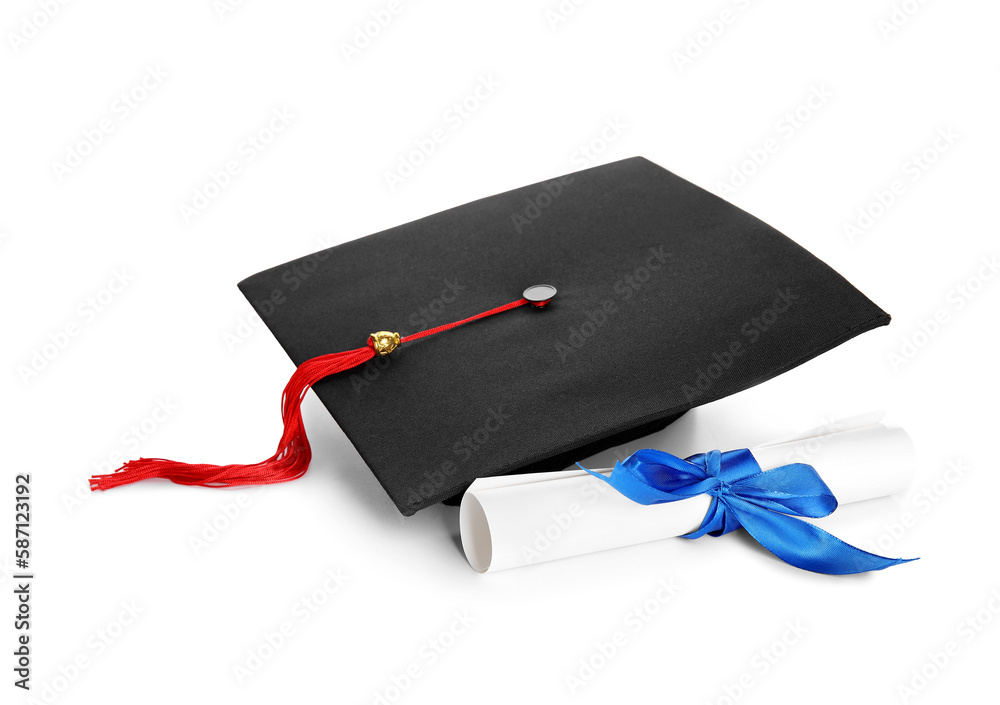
(291, 460)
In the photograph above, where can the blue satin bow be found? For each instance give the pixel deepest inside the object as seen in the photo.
(763, 503)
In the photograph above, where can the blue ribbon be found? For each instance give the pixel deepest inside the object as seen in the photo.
(763, 503)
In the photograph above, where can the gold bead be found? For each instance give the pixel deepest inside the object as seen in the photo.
(383, 342)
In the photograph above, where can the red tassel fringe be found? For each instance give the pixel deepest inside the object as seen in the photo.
(289, 462)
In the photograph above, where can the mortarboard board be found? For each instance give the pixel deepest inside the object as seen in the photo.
(668, 298)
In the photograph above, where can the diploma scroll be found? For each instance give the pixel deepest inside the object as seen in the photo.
(518, 520)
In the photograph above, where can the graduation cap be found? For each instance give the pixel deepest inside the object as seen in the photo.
(668, 298)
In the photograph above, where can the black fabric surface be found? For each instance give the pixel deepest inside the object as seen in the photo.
(669, 298)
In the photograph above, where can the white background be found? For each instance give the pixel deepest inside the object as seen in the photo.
(163, 338)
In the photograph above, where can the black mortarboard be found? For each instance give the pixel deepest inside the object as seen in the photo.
(668, 297)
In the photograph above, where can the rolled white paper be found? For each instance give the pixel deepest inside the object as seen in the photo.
(518, 520)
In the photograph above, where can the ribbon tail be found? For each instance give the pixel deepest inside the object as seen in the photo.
(806, 546)
(634, 487)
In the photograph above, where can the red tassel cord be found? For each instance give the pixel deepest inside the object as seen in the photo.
(291, 459)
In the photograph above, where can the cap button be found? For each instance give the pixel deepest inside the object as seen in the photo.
(539, 294)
